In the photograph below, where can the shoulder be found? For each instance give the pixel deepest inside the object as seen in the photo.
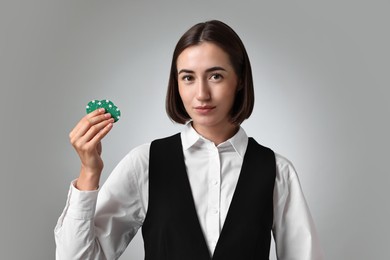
(141, 153)
(285, 170)
(167, 140)
(286, 180)
(140, 150)
(138, 157)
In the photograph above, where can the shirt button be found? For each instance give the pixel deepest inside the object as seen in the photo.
(215, 182)
(215, 211)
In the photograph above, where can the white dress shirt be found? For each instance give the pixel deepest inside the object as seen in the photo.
(100, 224)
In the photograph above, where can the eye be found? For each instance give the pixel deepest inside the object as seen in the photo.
(187, 78)
(216, 77)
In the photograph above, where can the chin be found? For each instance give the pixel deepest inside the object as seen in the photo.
(208, 122)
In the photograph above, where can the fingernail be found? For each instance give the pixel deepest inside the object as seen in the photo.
(107, 115)
(101, 110)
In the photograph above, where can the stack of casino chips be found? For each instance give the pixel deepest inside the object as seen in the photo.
(107, 105)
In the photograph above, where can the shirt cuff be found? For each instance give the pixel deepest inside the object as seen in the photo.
(82, 204)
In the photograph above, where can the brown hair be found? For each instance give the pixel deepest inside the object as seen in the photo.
(222, 35)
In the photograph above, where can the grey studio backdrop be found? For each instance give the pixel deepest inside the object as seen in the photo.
(321, 73)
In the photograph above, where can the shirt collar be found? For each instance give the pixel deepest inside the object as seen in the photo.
(189, 136)
(239, 141)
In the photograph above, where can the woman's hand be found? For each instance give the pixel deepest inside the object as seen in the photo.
(86, 139)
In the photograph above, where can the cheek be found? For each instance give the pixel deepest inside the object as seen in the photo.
(230, 94)
(183, 95)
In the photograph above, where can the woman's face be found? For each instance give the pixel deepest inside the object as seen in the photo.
(207, 86)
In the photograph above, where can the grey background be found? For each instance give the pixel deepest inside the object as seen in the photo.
(321, 71)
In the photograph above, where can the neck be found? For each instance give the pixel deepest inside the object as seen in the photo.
(216, 135)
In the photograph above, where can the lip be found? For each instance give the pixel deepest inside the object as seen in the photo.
(204, 109)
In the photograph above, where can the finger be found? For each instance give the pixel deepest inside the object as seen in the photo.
(91, 141)
(86, 118)
(96, 129)
(89, 122)
(93, 122)
(88, 143)
(102, 133)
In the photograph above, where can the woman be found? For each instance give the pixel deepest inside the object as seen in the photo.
(209, 192)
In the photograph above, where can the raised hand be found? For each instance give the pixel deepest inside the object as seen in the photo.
(86, 139)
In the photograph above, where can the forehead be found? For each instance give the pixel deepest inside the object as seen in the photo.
(203, 56)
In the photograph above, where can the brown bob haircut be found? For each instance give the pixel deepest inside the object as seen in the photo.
(222, 35)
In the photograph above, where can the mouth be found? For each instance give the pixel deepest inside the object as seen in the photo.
(204, 109)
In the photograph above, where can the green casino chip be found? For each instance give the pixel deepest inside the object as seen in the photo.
(107, 105)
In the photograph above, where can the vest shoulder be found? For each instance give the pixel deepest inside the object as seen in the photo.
(167, 139)
(166, 145)
(254, 143)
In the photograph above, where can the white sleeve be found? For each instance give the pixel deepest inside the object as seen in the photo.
(100, 224)
(294, 230)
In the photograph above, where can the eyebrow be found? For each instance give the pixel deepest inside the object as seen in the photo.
(208, 70)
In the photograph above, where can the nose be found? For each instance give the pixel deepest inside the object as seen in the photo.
(203, 91)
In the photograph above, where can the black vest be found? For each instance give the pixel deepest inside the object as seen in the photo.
(171, 229)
